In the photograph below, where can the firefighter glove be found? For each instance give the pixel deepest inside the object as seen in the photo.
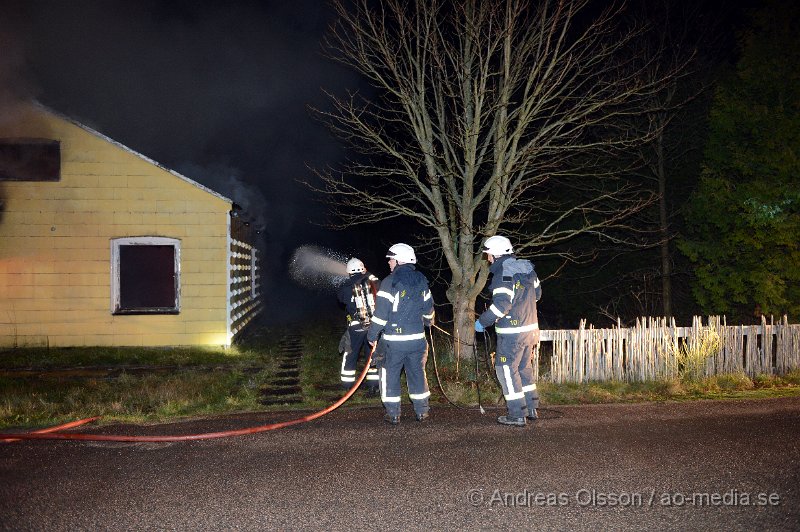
(478, 326)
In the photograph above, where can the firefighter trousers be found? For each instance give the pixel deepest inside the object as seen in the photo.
(357, 335)
(411, 357)
(512, 363)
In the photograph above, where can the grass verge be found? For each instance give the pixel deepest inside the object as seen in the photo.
(191, 382)
(135, 385)
(459, 383)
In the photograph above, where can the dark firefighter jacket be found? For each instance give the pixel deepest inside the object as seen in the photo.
(515, 290)
(404, 307)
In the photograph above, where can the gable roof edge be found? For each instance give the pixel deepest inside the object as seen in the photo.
(133, 152)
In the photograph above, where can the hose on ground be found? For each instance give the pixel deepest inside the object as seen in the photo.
(439, 380)
(65, 426)
(52, 434)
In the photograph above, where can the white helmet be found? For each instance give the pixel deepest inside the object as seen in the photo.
(355, 266)
(402, 253)
(497, 246)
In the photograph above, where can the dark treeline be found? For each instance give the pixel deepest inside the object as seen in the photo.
(721, 235)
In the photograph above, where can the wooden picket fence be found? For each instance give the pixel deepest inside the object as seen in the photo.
(656, 349)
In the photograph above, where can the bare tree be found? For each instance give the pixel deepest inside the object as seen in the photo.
(488, 117)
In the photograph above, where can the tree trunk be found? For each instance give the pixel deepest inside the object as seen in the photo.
(663, 224)
(463, 323)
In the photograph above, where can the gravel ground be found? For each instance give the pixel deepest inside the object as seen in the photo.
(706, 465)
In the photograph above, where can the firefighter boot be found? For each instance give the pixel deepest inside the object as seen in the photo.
(513, 421)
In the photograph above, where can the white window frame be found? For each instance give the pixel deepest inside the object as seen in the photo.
(116, 243)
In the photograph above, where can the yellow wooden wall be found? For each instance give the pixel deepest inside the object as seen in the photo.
(55, 244)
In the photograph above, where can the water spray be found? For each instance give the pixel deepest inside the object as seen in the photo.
(318, 267)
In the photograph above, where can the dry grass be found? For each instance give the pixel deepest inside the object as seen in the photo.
(130, 398)
(189, 387)
(692, 357)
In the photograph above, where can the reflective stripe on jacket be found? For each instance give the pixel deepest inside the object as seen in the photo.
(513, 309)
(403, 308)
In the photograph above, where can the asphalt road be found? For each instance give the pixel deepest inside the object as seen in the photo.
(732, 465)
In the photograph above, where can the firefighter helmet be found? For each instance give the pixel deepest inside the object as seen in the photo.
(355, 266)
(497, 246)
(402, 253)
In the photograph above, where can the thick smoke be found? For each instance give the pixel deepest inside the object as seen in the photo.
(218, 91)
(14, 86)
(230, 183)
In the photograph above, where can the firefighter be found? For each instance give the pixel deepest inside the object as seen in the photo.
(515, 291)
(357, 295)
(404, 308)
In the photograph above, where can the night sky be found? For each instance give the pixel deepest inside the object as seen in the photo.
(218, 91)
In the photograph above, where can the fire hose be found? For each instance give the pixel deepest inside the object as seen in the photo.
(439, 380)
(53, 434)
(65, 426)
(551, 412)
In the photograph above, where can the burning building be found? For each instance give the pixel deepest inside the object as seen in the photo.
(100, 245)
